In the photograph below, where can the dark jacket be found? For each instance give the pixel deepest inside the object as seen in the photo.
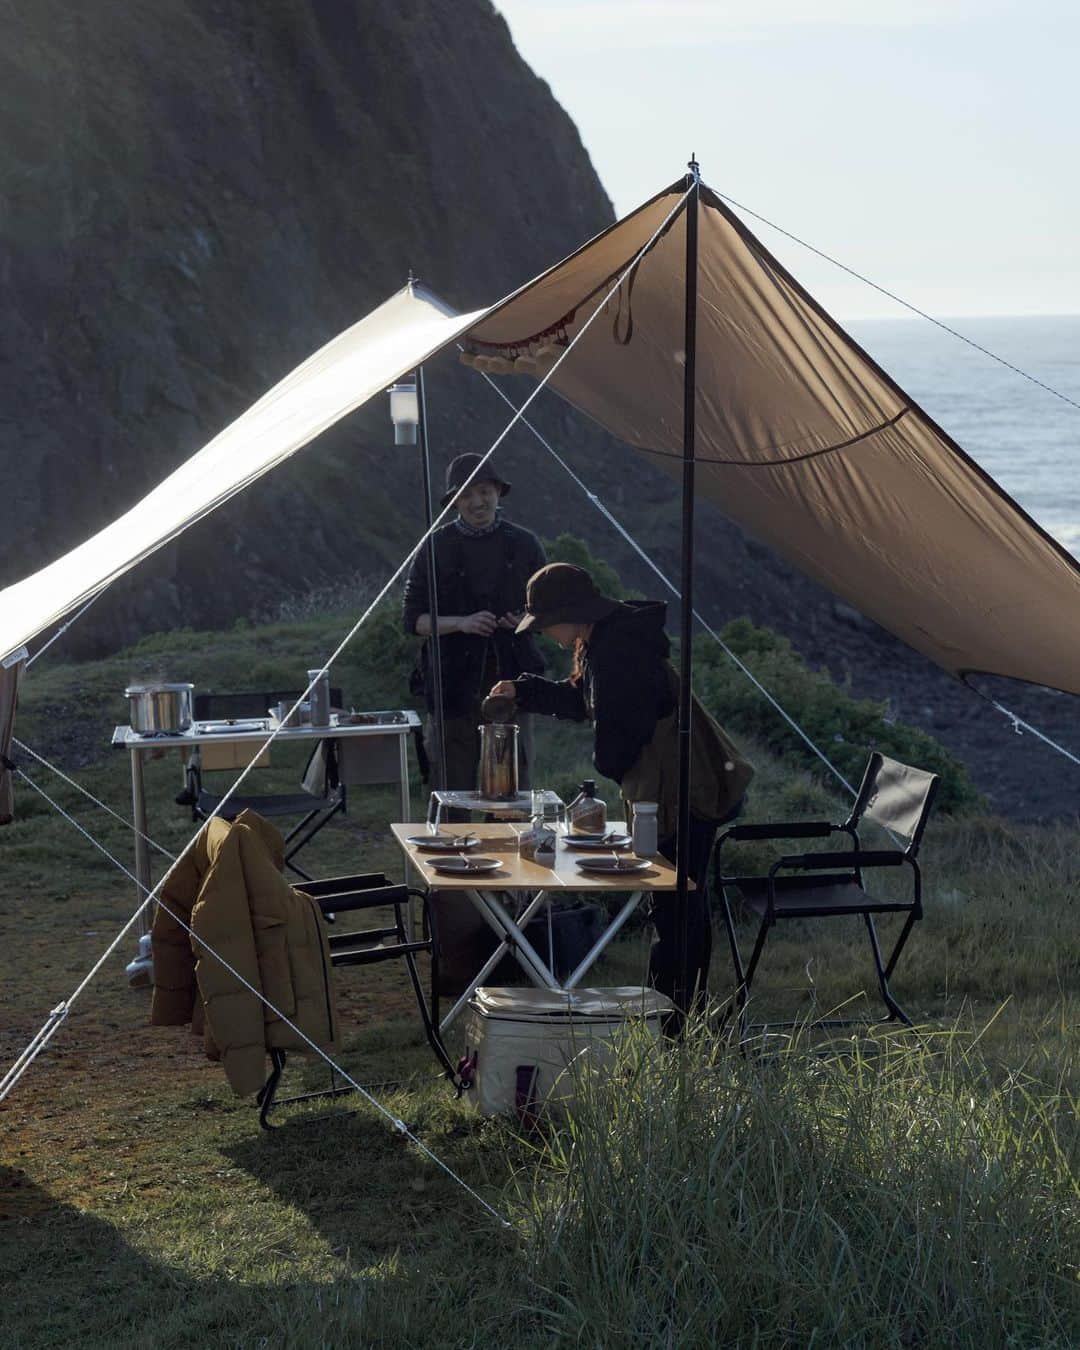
(628, 689)
(623, 688)
(465, 658)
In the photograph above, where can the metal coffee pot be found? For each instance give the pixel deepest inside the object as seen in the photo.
(497, 774)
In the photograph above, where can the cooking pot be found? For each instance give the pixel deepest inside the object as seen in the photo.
(160, 707)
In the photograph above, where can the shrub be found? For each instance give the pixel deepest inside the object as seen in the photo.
(845, 728)
(568, 548)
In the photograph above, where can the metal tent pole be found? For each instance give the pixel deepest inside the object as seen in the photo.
(683, 991)
(433, 584)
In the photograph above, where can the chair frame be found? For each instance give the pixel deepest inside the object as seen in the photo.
(315, 812)
(341, 895)
(826, 869)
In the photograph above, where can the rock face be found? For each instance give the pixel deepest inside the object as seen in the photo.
(194, 195)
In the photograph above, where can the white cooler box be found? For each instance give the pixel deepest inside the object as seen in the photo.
(519, 1042)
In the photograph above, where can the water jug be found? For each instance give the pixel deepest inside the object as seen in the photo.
(497, 775)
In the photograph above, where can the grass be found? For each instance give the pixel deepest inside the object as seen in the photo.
(896, 1191)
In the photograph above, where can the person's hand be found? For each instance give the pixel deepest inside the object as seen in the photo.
(504, 689)
(511, 619)
(481, 624)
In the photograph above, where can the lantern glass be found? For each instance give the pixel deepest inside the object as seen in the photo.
(404, 412)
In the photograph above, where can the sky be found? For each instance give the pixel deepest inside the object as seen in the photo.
(932, 147)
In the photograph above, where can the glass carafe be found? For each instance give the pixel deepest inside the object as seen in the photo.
(497, 773)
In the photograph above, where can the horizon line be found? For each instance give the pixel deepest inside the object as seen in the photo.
(943, 318)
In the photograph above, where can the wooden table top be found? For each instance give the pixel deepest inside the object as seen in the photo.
(500, 840)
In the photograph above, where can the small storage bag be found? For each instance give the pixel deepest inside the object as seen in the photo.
(521, 1045)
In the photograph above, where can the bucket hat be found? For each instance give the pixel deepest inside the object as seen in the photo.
(457, 475)
(563, 593)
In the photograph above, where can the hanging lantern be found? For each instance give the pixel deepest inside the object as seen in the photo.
(404, 412)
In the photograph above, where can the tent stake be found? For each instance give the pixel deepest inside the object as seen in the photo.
(683, 990)
(433, 584)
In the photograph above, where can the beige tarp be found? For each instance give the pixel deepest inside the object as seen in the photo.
(802, 440)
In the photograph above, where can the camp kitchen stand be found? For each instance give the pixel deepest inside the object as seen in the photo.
(508, 899)
(139, 747)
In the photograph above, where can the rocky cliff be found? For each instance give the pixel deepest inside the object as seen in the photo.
(194, 195)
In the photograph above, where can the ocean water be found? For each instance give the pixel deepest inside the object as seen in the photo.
(1023, 436)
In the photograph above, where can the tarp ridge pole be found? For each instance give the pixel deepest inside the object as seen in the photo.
(683, 991)
(433, 584)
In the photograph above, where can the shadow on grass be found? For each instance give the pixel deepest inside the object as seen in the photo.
(386, 1209)
(398, 1272)
(73, 1279)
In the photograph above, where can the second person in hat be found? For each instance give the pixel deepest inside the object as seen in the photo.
(623, 683)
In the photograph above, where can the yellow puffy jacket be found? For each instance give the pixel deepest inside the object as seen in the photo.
(230, 891)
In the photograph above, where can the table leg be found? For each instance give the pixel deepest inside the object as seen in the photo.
(526, 954)
(492, 961)
(406, 801)
(484, 971)
(140, 969)
(592, 955)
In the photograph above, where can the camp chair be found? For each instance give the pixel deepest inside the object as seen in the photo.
(321, 797)
(825, 885)
(342, 895)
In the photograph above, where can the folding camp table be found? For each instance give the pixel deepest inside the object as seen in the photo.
(392, 761)
(508, 898)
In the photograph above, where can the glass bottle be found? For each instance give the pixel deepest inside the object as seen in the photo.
(587, 813)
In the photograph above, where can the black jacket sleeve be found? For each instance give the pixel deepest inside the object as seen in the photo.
(625, 707)
(416, 599)
(551, 698)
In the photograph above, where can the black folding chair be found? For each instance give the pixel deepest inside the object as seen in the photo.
(365, 947)
(315, 805)
(826, 885)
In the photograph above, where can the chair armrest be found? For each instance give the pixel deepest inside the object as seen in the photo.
(343, 885)
(824, 862)
(795, 829)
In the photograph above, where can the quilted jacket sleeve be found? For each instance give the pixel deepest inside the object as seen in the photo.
(222, 921)
(173, 1002)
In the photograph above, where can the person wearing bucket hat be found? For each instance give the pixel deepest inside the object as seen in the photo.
(482, 562)
(460, 481)
(625, 685)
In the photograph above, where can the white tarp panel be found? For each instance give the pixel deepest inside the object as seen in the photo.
(356, 365)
